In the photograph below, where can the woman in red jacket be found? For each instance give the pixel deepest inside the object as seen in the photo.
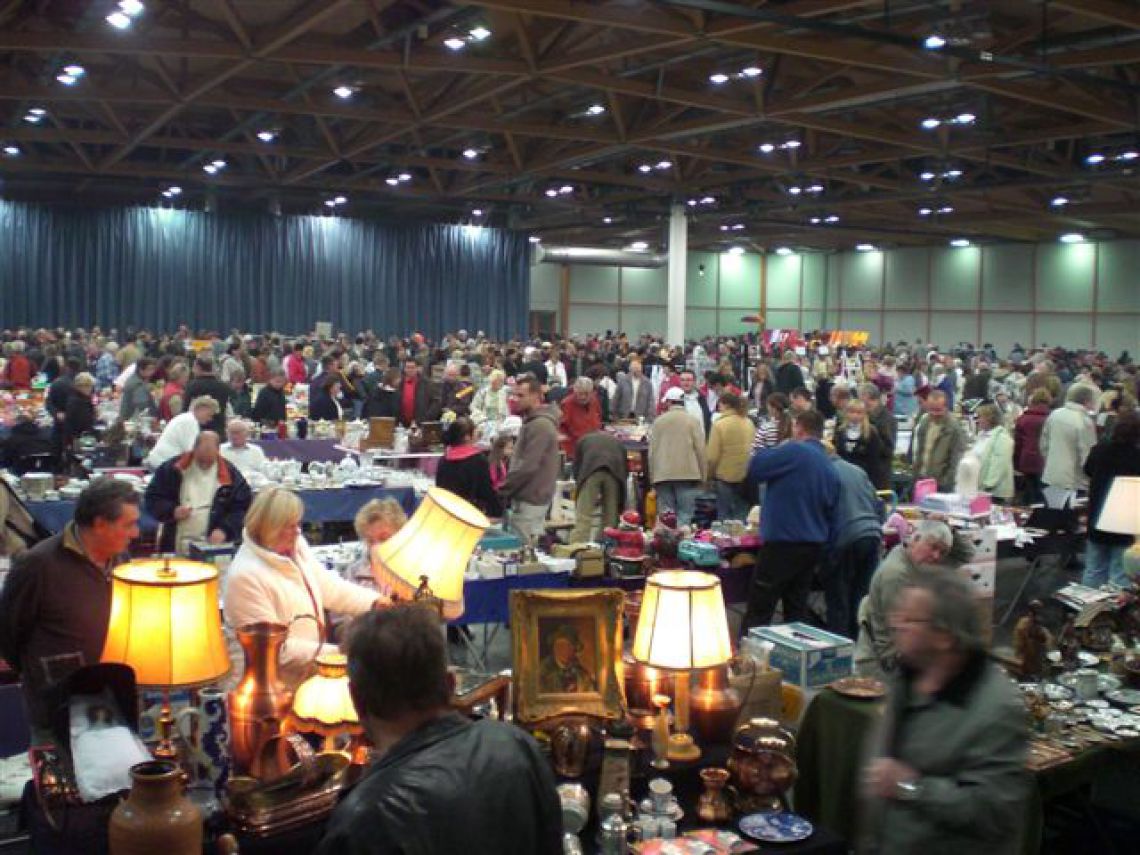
(18, 372)
(1027, 456)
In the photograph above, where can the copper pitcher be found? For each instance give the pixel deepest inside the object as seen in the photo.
(260, 703)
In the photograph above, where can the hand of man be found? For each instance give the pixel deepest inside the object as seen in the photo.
(883, 776)
(217, 536)
(182, 512)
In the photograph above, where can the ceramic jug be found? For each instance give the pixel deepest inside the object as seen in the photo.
(205, 730)
(260, 703)
(156, 817)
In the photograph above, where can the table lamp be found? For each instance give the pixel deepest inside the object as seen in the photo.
(682, 627)
(165, 623)
(1121, 515)
(322, 704)
(426, 560)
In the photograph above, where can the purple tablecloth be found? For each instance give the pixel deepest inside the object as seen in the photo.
(305, 450)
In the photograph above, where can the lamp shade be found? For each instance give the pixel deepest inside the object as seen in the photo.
(682, 625)
(1121, 511)
(165, 623)
(436, 542)
(323, 702)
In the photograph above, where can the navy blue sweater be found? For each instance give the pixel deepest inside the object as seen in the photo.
(802, 502)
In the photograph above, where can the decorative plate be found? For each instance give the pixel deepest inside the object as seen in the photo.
(1127, 697)
(1104, 682)
(863, 688)
(776, 827)
(1055, 692)
(1087, 660)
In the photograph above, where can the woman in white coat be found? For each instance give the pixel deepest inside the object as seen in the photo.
(994, 449)
(275, 578)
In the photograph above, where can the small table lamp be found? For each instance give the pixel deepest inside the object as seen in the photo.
(427, 558)
(1121, 515)
(682, 627)
(165, 623)
(323, 704)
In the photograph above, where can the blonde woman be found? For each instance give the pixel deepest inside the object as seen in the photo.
(375, 522)
(275, 578)
(857, 442)
(994, 450)
(490, 404)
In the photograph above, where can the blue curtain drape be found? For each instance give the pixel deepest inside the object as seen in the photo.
(155, 268)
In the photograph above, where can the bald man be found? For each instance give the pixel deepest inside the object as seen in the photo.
(239, 451)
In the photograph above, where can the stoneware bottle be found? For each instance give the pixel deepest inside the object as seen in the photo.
(156, 817)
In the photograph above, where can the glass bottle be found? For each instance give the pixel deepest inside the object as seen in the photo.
(613, 830)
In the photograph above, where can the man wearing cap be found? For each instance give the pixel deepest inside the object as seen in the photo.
(560, 671)
(677, 457)
(180, 433)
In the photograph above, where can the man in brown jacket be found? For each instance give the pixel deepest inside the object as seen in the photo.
(677, 458)
(533, 475)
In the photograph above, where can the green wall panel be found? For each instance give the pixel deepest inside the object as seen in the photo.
(860, 320)
(862, 280)
(813, 319)
(1118, 288)
(593, 284)
(644, 285)
(730, 323)
(1114, 334)
(783, 319)
(815, 269)
(700, 323)
(954, 278)
(699, 290)
(1069, 331)
(587, 320)
(949, 328)
(740, 280)
(784, 281)
(902, 326)
(1007, 277)
(1007, 329)
(636, 321)
(1065, 276)
(544, 285)
(907, 274)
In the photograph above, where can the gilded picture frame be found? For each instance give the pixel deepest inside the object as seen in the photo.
(566, 652)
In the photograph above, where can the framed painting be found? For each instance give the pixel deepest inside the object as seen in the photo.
(566, 652)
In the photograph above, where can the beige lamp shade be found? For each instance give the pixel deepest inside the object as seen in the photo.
(323, 703)
(1121, 511)
(436, 542)
(682, 625)
(165, 623)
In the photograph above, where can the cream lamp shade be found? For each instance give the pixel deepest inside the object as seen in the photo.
(1121, 511)
(683, 625)
(323, 703)
(165, 623)
(433, 547)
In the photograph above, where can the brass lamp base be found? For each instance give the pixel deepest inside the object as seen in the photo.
(682, 748)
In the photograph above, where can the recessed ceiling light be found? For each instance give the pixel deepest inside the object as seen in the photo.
(639, 246)
(965, 118)
(340, 200)
(133, 8)
(664, 164)
(864, 247)
(565, 189)
(37, 111)
(953, 173)
(925, 212)
(946, 209)
(784, 250)
(476, 212)
(470, 153)
(174, 190)
(480, 32)
(595, 109)
(815, 188)
(210, 169)
(934, 42)
(67, 79)
(221, 164)
(831, 218)
(74, 70)
(708, 200)
(931, 123)
(927, 176)
(535, 239)
(344, 91)
(1059, 201)
(392, 181)
(960, 243)
(330, 203)
(1128, 155)
(767, 148)
(607, 220)
(11, 150)
(118, 20)
(792, 144)
(267, 135)
(645, 167)
(454, 43)
(718, 78)
(551, 192)
(1073, 237)
(404, 176)
(736, 250)
(1094, 159)
(795, 191)
(815, 221)
(752, 71)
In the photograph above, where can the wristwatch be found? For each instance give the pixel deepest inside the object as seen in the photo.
(908, 791)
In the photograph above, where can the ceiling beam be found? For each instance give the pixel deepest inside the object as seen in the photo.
(1109, 11)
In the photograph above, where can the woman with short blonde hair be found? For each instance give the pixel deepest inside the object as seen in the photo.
(378, 520)
(275, 578)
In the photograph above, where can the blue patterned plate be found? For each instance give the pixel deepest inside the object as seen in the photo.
(776, 827)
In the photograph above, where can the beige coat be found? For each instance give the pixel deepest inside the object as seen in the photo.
(730, 448)
(676, 448)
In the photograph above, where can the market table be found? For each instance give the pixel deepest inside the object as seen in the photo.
(831, 749)
(304, 450)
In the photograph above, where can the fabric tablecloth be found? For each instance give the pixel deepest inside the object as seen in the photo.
(489, 600)
(304, 450)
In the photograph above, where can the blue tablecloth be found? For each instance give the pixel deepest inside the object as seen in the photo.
(489, 600)
(321, 506)
(305, 450)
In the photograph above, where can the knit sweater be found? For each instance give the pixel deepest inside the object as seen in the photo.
(802, 503)
(730, 448)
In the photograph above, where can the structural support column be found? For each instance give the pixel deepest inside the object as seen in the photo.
(678, 271)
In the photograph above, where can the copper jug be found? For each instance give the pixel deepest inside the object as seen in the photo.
(260, 703)
(156, 816)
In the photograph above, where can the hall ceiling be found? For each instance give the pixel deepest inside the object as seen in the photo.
(565, 101)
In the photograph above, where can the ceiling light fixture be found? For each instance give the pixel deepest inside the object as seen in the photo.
(1073, 237)
(639, 246)
(925, 212)
(118, 20)
(471, 153)
(864, 247)
(718, 79)
(934, 42)
(1094, 159)
(607, 220)
(133, 8)
(12, 150)
(815, 221)
(1059, 201)
(344, 92)
(35, 115)
(551, 192)
(476, 212)
(792, 145)
(1127, 155)
(267, 136)
(767, 148)
(751, 71)
(931, 123)
(946, 209)
(535, 239)
(736, 250)
(831, 219)
(795, 190)
(479, 33)
(595, 110)
(664, 164)
(214, 166)
(784, 250)
(454, 43)
(959, 243)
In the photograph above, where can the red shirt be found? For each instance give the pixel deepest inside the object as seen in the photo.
(408, 401)
(19, 372)
(579, 420)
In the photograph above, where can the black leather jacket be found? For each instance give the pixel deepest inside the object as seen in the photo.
(453, 786)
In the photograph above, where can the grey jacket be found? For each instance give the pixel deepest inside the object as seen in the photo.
(623, 404)
(941, 461)
(858, 505)
(137, 398)
(968, 743)
(1066, 440)
(533, 475)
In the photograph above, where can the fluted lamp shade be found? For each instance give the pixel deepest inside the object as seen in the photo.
(683, 625)
(322, 704)
(165, 623)
(432, 549)
(1121, 511)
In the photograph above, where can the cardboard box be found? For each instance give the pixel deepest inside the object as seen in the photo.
(808, 657)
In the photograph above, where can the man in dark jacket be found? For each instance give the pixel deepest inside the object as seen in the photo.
(198, 496)
(206, 382)
(444, 784)
(56, 602)
(270, 407)
(533, 475)
(789, 377)
(55, 402)
(600, 470)
(419, 396)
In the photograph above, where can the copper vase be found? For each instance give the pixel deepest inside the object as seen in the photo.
(714, 707)
(260, 702)
(156, 817)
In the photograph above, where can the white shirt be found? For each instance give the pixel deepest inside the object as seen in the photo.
(693, 408)
(555, 372)
(176, 438)
(249, 458)
(198, 488)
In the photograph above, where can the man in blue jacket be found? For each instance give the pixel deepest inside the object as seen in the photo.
(798, 521)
